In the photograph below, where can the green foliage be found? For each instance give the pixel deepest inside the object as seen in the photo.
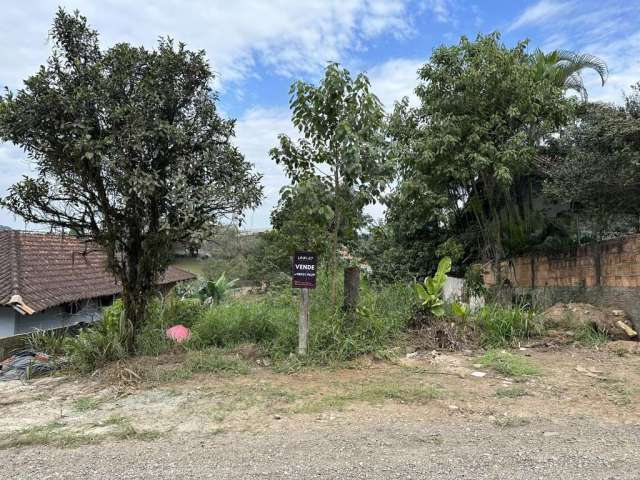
(50, 342)
(430, 294)
(465, 153)
(460, 310)
(129, 149)
(102, 342)
(337, 166)
(562, 68)
(598, 153)
(474, 282)
(271, 323)
(216, 291)
(509, 364)
(502, 326)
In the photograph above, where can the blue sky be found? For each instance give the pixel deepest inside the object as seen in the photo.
(258, 47)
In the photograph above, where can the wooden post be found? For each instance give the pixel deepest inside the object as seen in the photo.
(303, 322)
(351, 291)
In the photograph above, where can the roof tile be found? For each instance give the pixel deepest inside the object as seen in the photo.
(47, 270)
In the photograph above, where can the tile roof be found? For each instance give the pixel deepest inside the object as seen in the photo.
(38, 271)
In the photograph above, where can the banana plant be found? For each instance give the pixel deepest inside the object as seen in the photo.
(460, 310)
(430, 292)
(216, 291)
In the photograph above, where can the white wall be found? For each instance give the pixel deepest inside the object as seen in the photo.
(57, 317)
(7, 322)
(453, 291)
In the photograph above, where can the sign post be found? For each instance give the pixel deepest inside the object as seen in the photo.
(303, 276)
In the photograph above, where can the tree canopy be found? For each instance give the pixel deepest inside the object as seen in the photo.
(483, 113)
(338, 165)
(129, 151)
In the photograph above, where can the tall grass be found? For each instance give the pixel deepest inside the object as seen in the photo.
(272, 323)
(103, 342)
(501, 326)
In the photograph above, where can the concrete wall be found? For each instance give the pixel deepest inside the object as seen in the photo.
(605, 274)
(7, 321)
(57, 317)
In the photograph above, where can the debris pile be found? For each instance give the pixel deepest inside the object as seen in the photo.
(571, 316)
(25, 364)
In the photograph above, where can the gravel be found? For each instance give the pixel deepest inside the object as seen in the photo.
(374, 448)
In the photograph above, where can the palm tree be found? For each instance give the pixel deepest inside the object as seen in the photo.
(563, 68)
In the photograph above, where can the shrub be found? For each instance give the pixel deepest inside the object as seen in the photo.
(103, 342)
(501, 326)
(50, 342)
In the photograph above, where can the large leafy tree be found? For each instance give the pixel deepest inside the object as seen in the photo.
(467, 148)
(338, 163)
(563, 68)
(129, 150)
(593, 167)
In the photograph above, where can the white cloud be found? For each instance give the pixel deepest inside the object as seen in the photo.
(395, 79)
(542, 11)
(608, 30)
(289, 36)
(256, 133)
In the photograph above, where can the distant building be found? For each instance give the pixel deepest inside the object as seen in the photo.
(50, 281)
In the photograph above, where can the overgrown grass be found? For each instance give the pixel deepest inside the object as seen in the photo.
(501, 326)
(509, 364)
(272, 323)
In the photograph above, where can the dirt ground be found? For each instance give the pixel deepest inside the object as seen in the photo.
(425, 414)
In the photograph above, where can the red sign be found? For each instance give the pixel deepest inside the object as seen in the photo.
(303, 270)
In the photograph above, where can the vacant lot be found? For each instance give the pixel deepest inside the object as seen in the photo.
(570, 413)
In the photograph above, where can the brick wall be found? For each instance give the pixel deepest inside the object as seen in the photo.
(607, 273)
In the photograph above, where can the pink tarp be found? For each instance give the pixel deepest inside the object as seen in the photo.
(179, 333)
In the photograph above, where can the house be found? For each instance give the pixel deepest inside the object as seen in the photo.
(50, 281)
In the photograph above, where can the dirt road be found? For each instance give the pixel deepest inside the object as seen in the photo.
(425, 418)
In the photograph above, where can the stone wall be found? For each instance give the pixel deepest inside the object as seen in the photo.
(607, 273)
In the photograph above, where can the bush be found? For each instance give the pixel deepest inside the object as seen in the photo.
(500, 326)
(103, 342)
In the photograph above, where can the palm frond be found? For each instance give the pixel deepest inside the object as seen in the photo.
(574, 62)
(574, 82)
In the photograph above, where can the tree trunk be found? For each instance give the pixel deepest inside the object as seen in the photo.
(334, 243)
(135, 306)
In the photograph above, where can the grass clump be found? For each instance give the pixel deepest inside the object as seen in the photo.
(52, 434)
(84, 404)
(103, 342)
(509, 364)
(511, 392)
(501, 326)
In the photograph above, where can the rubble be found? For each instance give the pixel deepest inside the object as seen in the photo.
(570, 316)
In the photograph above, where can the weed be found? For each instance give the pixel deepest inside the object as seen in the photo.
(212, 361)
(271, 323)
(84, 404)
(500, 326)
(103, 342)
(591, 337)
(511, 392)
(509, 364)
(52, 433)
(47, 341)
(511, 422)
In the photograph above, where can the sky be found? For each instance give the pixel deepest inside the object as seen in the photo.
(257, 48)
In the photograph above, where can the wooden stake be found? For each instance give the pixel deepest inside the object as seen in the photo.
(303, 322)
